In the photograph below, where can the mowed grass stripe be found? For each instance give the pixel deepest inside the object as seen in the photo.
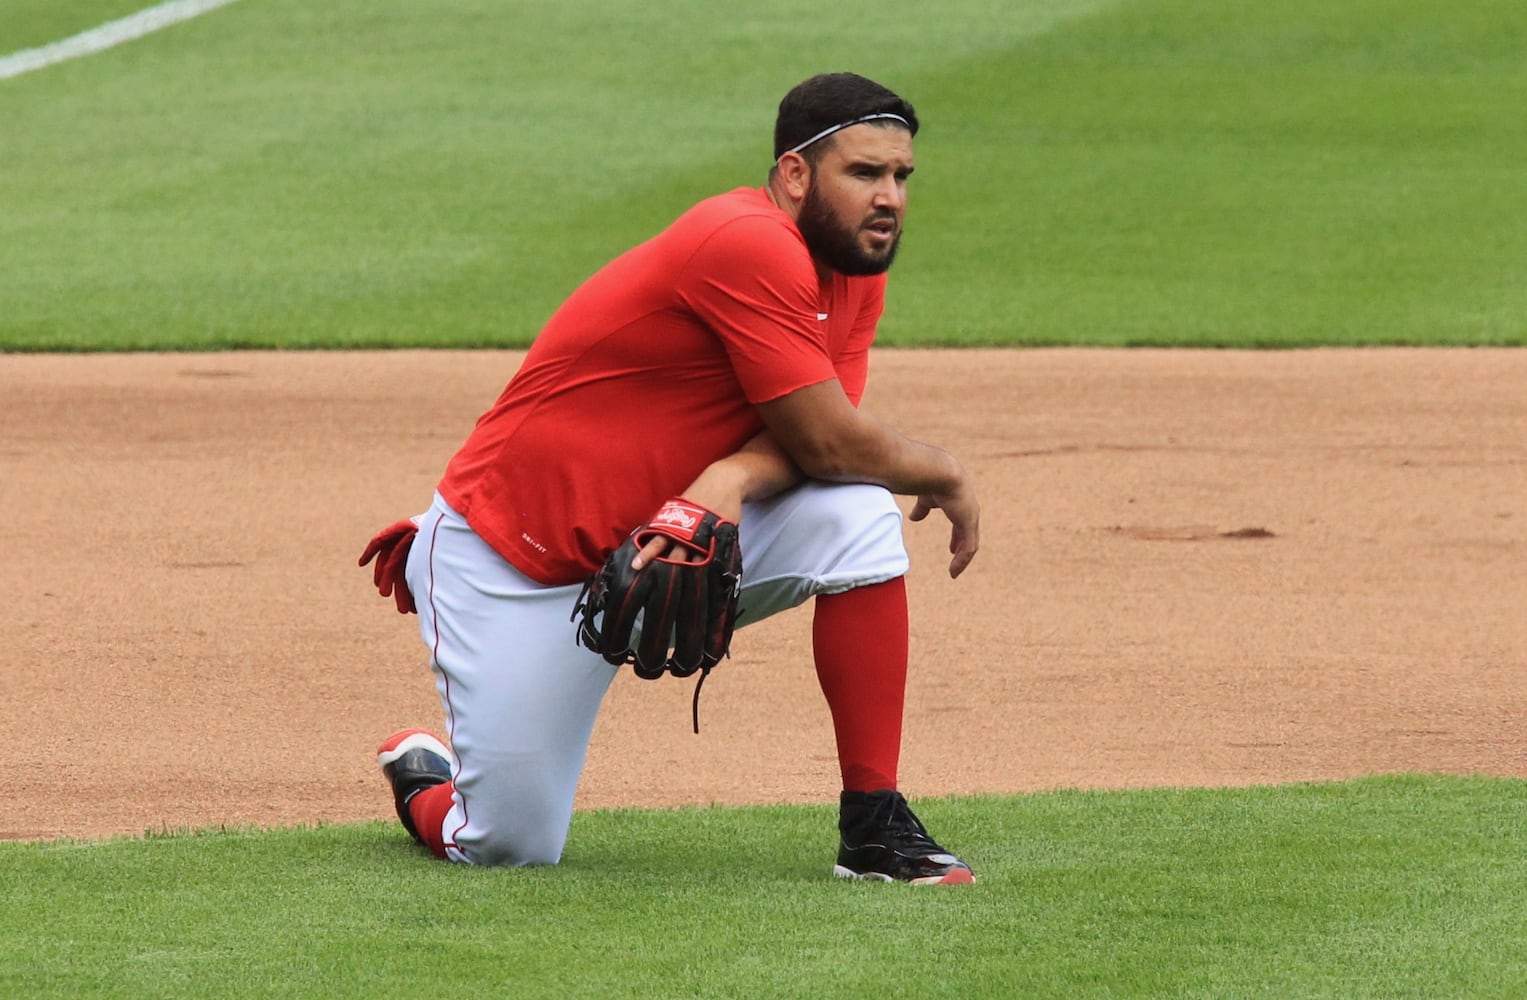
(105, 36)
(1131, 173)
(1281, 175)
(1384, 887)
(26, 24)
(343, 178)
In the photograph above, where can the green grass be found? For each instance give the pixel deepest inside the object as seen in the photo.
(1384, 887)
(1241, 174)
(289, 174)
(286, 174)
(1101, 172)
(26, 24)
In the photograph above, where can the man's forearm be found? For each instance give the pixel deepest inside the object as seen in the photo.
(756, 471)
(765, 467)
(830, 439)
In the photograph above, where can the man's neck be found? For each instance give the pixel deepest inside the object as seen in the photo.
(782, 201)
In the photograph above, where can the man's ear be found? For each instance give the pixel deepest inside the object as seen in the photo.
(795, 175)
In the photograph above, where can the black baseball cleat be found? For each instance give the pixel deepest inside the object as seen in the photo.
(882, 840)
(413, 760)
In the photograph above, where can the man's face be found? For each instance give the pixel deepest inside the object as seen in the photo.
(853, 211)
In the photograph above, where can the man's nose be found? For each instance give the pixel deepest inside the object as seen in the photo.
(891, 194)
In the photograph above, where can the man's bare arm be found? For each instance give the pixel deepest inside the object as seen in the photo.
(756, 471)
(831, 439)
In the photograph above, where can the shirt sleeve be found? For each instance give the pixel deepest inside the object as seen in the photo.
(753, 284)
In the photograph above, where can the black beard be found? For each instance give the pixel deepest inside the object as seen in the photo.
(835, 245)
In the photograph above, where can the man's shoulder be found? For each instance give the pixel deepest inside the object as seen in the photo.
(743, 211)
(741, 228)
(742, 201)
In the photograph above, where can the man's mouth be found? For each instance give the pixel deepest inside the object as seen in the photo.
(883, 228)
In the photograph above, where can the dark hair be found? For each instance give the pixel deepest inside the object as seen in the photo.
(833, 99)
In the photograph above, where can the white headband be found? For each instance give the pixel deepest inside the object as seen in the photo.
(843, 125)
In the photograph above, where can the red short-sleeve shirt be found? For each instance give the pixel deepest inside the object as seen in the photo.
(648, 373)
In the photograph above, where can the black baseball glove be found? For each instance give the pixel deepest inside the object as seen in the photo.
(688, 610)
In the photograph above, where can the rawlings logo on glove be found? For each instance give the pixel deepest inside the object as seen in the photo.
(678, 514)
(686, 600)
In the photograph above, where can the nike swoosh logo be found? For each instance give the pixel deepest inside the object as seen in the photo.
(821, 317)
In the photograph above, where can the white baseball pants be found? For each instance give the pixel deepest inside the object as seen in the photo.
(521, 696)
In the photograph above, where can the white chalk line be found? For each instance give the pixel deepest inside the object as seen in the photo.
(105, 36)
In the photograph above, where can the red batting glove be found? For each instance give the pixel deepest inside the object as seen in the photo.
(390, 549)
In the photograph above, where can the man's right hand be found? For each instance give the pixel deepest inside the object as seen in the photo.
(964, 515)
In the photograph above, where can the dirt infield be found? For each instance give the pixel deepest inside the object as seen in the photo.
(1197, 568)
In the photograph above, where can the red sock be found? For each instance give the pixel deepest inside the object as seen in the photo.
(427, 810)
(859, 638)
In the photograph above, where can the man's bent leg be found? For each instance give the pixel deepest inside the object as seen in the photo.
(859, 643)
(842, 544)
(818, 538)
(520, 695)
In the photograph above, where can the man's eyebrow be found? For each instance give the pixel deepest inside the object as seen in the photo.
(860, 163)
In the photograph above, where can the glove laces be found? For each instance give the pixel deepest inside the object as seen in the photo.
(695, 706)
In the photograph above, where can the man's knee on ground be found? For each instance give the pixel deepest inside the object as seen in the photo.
(514, 849)
(516, 821)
